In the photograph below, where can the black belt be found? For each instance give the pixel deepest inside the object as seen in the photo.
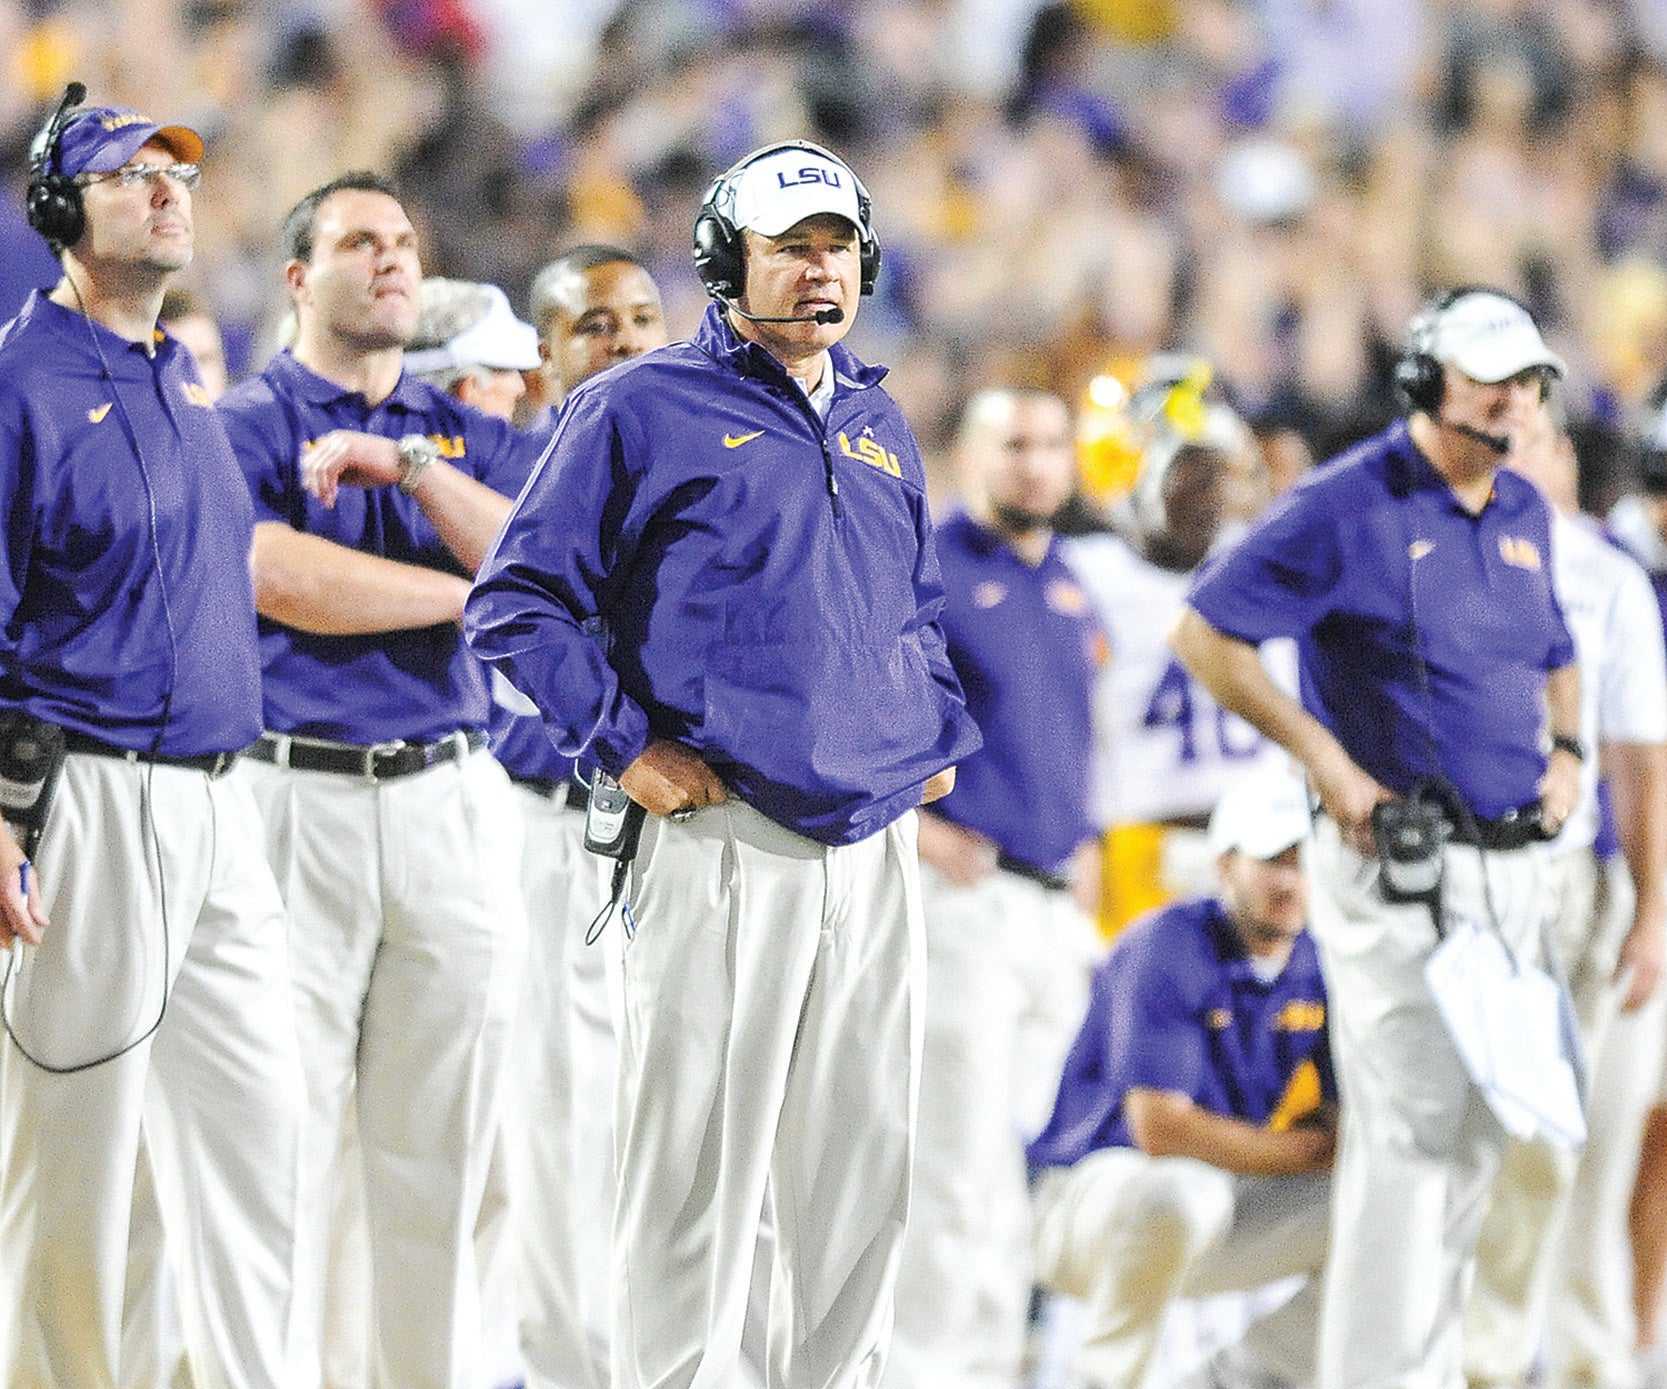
(377, 762)
(575, 795)
(1054, 882)
(1516, 830)
(213, 763)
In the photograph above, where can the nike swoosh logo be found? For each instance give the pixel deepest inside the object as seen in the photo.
(734, 441)
(98, 412)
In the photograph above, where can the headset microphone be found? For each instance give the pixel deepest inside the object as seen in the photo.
(833, 315)
(1497, 442)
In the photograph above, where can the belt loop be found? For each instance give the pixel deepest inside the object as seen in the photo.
(460, 740)
(280, 749)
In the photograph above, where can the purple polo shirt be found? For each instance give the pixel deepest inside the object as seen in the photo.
(1176, 1006)
(1026, 646)
(419, 684)
(1372, 558)
(125, 593)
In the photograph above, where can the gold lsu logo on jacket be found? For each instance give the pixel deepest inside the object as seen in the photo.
(1518, 551)
(871, 451)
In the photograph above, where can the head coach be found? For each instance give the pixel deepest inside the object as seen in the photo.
(720, 588)
(1438, 686)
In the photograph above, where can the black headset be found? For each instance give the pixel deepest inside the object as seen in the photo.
(1418, 375)
(719, 258)
(55, 209)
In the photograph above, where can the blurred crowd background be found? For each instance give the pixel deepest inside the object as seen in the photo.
(1061, 189)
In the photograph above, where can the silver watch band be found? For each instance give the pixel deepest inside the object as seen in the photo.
(418, 453)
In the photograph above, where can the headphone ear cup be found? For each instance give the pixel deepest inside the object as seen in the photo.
(1418, 378)
(55, 209)
(718, 256)
(869, 265)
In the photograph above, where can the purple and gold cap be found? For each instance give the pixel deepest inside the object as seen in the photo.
(102, 139)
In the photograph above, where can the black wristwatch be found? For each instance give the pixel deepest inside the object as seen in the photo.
(1571, 745)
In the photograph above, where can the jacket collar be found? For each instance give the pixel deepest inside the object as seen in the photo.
(719, 341)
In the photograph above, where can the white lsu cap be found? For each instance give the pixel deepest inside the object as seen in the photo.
(1262, 815)
(1489, 338)
(782, 189)
(497, 339)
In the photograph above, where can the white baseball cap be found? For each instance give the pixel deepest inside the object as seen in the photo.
(497, 339)
(1489, 338)
(782, 189)
(1262, 815)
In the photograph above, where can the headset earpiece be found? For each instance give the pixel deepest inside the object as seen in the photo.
(54, 206)
(720, 258)
(1418, 378)
(718, 255)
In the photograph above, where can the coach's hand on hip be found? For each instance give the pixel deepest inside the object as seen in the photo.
(667, 777)
(21, 915)
(1559, 789)
(1348, 794)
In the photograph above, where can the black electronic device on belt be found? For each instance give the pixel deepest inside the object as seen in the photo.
(1411, 833)
(613, 821)
(31, 756)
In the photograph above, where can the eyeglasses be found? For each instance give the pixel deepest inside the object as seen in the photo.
(132, 175)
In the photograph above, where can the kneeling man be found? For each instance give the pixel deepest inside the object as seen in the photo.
(1190, 1144)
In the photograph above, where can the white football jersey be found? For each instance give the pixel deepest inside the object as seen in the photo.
(1166, 750)
(1612, 616)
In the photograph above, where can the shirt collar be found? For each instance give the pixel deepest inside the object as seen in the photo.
(985, 540)
(101, 344)
(1415, 473)
(1229, 947)
(822, 397)
(314, 389)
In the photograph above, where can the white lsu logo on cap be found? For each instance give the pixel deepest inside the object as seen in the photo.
(811, 173)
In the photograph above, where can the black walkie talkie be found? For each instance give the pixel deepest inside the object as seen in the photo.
(31, 755)
(613, 821)
(1411, 834)
(613, 824)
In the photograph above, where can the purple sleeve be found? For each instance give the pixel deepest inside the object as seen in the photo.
(1279, 578)
(1562, 651)
(267, 449)
(1157, 1041)
(507, 457)
(534, 612)
(929, 601)
(18, 468)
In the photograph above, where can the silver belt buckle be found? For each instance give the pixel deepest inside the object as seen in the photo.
(376, 750)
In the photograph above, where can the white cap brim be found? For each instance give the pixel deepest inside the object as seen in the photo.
(498, 341)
